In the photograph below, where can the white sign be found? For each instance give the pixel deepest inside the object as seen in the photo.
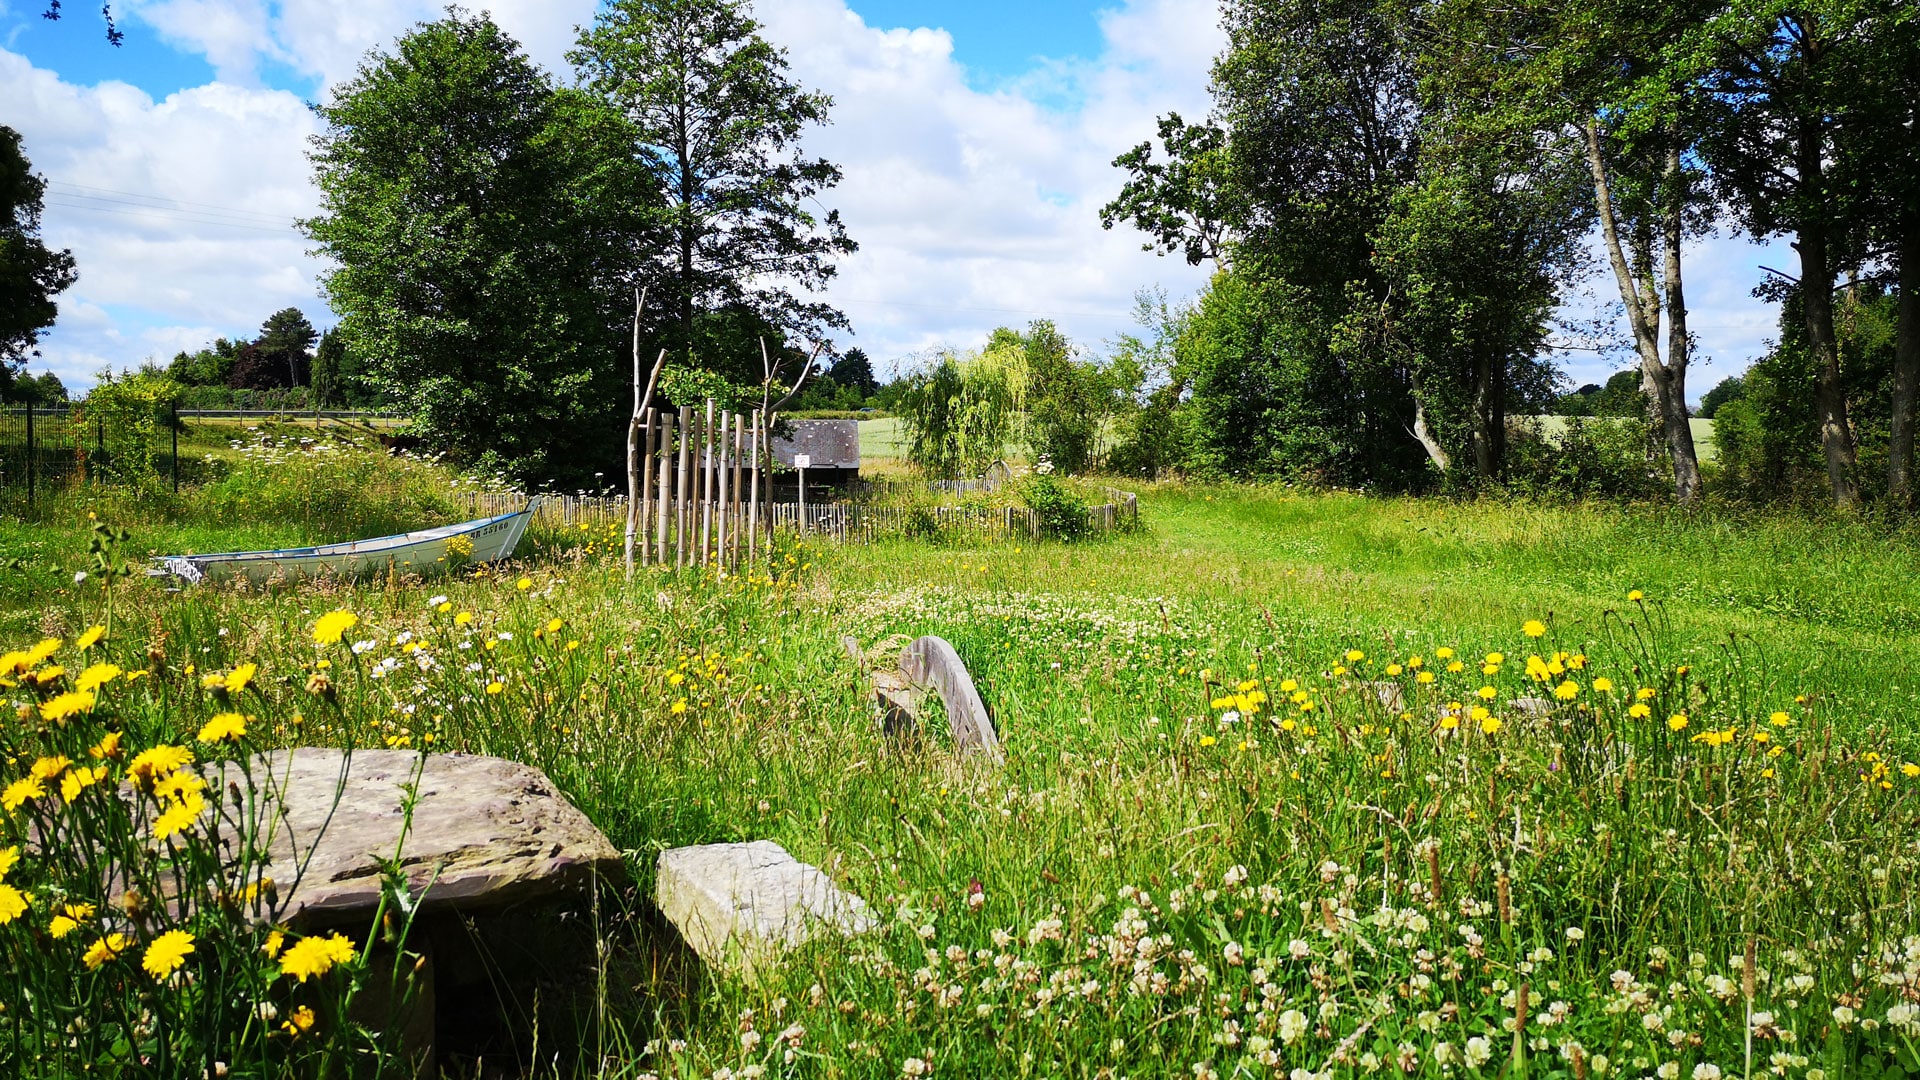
(802, 461)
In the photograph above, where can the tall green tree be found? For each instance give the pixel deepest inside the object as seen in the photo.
(483, 224)
(717, 121)
(31, 274)
(1782, 77)
(286, 339)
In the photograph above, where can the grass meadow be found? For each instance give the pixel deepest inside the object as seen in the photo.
(1297, 785)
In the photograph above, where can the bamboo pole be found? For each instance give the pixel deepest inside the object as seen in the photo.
(680, 488)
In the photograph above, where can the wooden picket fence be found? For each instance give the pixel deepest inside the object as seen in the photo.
(705, 499)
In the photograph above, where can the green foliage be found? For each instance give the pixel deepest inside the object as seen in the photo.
(961, 411)
(1063, 514)
(1730, 389)
(130, 413)
(482, 222)
(1069, 399)
(1768, 437)
(209, 366)
(1586, 458)
(692, 387)
(31, 274)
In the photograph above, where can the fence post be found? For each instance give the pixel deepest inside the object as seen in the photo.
(173, 425)
(31, 455)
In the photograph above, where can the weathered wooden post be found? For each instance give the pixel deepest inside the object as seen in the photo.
(739, 444)
(680, 488)
(663, 501)
(753, 501)
(724, 452)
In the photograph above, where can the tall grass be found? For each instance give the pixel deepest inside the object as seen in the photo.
(1237, 833)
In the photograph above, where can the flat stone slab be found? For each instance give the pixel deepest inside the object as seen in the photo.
(486, 832)
(744, 905)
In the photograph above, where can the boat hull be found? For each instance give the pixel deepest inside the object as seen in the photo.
(422, 552)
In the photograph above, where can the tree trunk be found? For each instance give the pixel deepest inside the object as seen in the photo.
(1435, 452)
(1665, 381)
(1816, 289)
(1671, 379)
(1486, 459)
(1906, 361)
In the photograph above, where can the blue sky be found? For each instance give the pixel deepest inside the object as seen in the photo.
(976, 139)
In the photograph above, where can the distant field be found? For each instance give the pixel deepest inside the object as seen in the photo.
(1703, 443)
(882, 440)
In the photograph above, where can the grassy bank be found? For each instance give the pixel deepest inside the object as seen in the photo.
(1268, 805)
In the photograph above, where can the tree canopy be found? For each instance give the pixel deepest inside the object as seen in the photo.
(31, 274)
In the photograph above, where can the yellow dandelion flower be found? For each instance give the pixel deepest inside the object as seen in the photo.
(48, 674)
(1449, 721)
(271, 946)
(1533, 628)
(555, 625)
(1780, 719)
(157, 762)
(9, 857)
(328, 628)
(1487, 693)
(1634, 596)
(213, 680)
(13, 904)
(523, 584)
(1394, 669)
(104, 949)
(61, 925)
(1423, 677)
(1677, 722)
(444, 606)
(47, 768)
(177, 786)
(1354, 656)
(679, 707)
(1910, 770)
(301, 1022)
(1639, 711)
(167, 954)
(314, 956)
(178, 817)
(496, 687)
(224, 726)
(1602, 684)
(463, 618)
(1490, 725)
(20, 791)
(89, 639)
(107, 747)
(79, 780)
(1567, 691)
(1207, 740)
(1645, 693)
(95, 677)
(61, 706)
(239, 677)
(1444, 652)
(40, 652)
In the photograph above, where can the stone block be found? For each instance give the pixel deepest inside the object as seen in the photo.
(742, 906)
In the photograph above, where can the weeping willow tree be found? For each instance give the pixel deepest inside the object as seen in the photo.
(961, 410)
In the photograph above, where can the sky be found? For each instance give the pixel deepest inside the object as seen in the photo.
(976, 137)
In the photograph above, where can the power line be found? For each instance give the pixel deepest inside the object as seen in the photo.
(164, 215)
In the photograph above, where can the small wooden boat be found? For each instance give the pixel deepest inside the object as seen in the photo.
(420, 552)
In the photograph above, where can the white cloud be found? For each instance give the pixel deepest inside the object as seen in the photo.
(179, 212)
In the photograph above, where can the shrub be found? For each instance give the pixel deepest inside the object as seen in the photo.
(1062, 513)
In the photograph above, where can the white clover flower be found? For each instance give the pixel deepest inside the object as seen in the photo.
(1293, 1025)
(1706, 1071)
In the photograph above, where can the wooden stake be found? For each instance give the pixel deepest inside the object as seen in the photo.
(680, 488)
(739, 443)
(753, 501)
(706, 485)
(664, 499)
(720, 517)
